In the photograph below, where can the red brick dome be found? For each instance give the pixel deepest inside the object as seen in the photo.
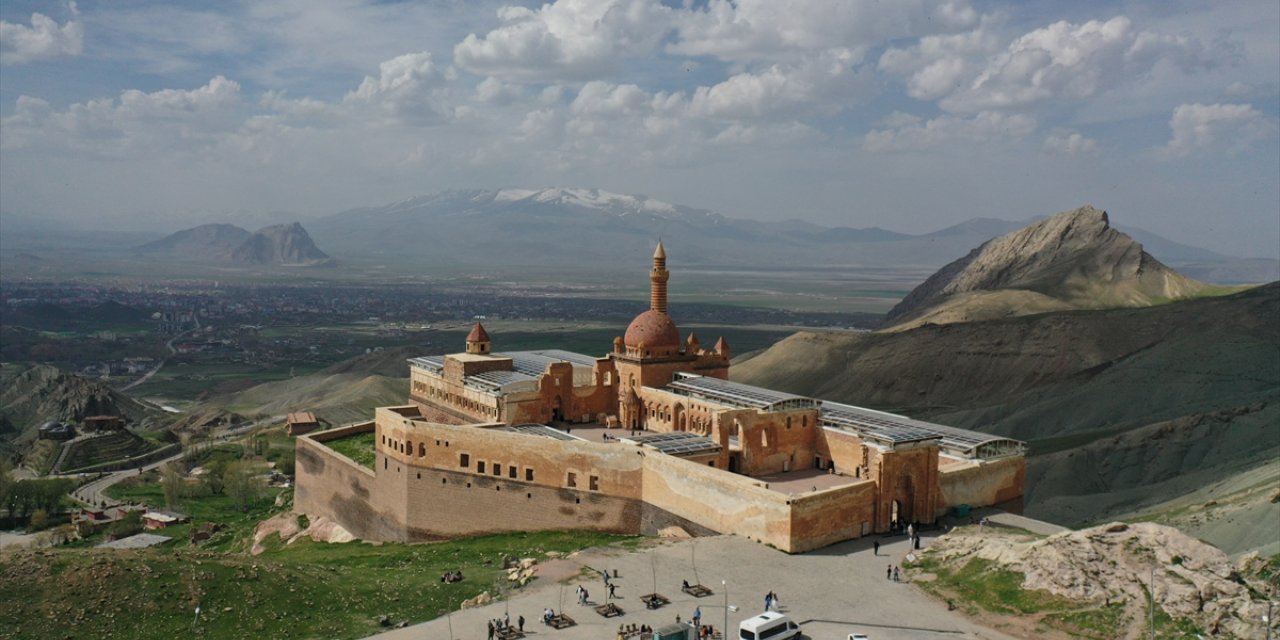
(654, 329)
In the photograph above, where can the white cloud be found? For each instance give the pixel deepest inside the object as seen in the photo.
(496, 92)
(1069, 143)
(939, 64)
(1233, 127)
(565, 40)
(173, 118)
(823, 83)
(754, 30)
(1063, 62)
(408, 87)
(43, 40)
(904, 132)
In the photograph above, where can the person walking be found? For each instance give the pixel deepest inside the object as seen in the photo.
(876, 545)
(768, 601)
(888, 573)
(520, 624)
(697, 616)
(491, 629)
(896, 576)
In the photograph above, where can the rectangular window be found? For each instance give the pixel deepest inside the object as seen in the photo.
(573, 479)
(480, 466)
(464, 460)
(497, 469)
(595, 483)
(528, 475)
(512, 471)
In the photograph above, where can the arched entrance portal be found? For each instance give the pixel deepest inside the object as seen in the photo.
(556, 414)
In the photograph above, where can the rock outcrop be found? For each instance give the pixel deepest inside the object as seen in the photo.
(281, 244)
(1073, 259)
(284, 244)
(1115, 562)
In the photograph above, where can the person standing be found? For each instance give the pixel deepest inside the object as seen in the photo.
(490, 630)
(876, 545)
(768, 601)
(896, 576)
(888, 573)
(520, 623)
(697, 616)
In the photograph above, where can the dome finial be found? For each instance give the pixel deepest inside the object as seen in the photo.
(659, 253)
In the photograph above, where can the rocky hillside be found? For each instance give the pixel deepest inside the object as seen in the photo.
(1073, 259)
(1123, 408)
(1107, 570)
(205, 242)
(283, 244)
(32, 396)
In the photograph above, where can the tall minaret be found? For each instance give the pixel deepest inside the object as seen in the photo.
(658, 280)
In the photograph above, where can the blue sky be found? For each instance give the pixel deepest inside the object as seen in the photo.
(909, 115)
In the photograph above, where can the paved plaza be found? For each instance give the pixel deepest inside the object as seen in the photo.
(831, 592)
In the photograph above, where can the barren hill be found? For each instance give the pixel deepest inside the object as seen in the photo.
(1123, 408)
(1073, 259)
(205, 242)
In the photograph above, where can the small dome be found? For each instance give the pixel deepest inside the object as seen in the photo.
(52, 424)
(654, 329)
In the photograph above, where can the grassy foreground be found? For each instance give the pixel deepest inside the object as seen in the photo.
(302, 590)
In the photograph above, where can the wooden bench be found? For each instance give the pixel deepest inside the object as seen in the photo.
(654, 600)
(697, 591)
(609, 610)
(509, 633)
(561, 621)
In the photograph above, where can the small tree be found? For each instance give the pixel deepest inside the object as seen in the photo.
(39, 520)
(126, 526)
(242, 484)
(172, 484)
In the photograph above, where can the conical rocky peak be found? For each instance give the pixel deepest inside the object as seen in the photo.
(1071, 259)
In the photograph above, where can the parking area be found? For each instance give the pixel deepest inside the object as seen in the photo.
(831, 592)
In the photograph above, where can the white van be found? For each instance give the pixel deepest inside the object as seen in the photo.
(769, 625)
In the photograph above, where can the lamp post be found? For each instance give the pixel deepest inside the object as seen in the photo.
(724, 586)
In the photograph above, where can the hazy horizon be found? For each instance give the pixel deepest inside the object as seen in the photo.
(909, 116)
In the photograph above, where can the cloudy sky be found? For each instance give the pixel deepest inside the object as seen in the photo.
(905, 114)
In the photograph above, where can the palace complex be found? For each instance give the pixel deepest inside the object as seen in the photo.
(652, 436)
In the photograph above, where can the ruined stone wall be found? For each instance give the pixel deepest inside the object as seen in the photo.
(768, 444)
(826, 517)
(981, 484)
(846, 450)
(723, 502)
